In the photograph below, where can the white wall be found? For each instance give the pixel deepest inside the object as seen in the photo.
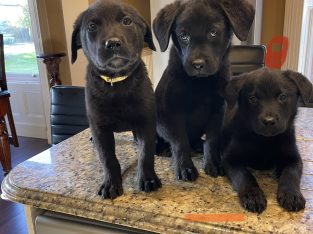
(160, 59)
(70, 13)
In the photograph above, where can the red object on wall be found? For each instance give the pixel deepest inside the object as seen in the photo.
(276, 59)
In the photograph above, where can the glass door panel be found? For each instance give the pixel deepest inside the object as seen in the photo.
(20, 56)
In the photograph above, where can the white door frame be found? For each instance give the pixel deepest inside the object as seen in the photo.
(43, 78)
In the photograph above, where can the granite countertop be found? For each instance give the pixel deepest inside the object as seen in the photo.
(66, 178)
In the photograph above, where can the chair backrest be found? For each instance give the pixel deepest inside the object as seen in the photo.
(68, 112)
(246, 58)
(3, 79)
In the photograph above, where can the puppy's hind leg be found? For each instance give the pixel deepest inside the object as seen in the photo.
(105, 144)
(147, 179)
(212, 147)
(174, 131)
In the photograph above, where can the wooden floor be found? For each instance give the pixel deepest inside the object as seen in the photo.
(12, 218)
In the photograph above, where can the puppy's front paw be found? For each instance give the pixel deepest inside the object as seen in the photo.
(291, 200)
(110, 190)
(213, 170)
(149, 184)
(253, 200)
(187, 173)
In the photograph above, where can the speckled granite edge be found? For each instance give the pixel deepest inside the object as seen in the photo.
(111, 214)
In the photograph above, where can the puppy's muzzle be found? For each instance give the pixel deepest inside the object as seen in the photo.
(269, 121)
(201, 67)
(198, 65)
(269, 125)
(113, 44)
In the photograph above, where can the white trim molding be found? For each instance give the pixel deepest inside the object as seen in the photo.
(292, 30)
(37, 37)
(308, 62)
(306, 49)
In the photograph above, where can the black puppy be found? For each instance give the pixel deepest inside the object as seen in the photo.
(189, 95)
(119, 94)
(259, 133)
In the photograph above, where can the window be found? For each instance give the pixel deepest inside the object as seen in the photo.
(20, 56)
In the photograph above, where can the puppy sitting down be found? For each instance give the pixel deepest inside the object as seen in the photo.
(189, 95)
(259, 133)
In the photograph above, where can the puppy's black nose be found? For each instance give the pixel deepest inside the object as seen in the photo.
(113, 44)
(198, 64)
(269, 121)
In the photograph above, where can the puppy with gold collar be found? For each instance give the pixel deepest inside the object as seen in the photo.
(119, 94)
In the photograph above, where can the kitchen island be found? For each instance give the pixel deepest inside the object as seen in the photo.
(65, 178)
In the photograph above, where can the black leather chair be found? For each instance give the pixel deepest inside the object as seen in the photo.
(68, 112)
(246, 58)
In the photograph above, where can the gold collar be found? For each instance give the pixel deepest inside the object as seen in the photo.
(113, 80)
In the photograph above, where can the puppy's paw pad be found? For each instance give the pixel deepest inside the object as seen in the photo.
(291, 200)
(110, 190)
(188, 174)
(149, 185)
(253, 200)
(213, 170)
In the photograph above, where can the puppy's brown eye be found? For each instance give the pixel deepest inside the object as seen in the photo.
(92, 27)
(213, 33)
(253, 99)
(282, 97)
(185, 38)
(127, 21)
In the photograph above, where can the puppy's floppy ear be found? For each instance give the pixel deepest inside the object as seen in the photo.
(232, 90)
(162, 24)
(304, 86)
(240, 15)
(148, 38)
(76, 41)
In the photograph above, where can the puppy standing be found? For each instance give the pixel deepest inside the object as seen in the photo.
(119, 94)
(259, 133)
(189, 95)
